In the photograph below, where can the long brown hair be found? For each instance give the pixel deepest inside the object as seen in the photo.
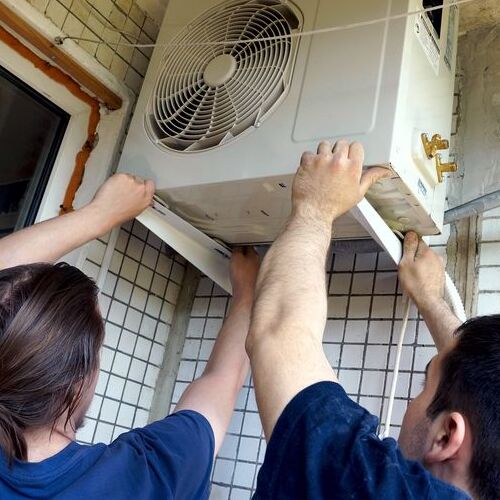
(51, 331)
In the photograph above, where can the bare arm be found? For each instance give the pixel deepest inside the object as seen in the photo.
(121, 198)
(285, 341)
(214, 393)
(421, 273)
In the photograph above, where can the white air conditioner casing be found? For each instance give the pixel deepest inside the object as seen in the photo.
(383, 84)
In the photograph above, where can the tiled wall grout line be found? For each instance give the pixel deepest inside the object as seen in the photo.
(388, 358)
(114, 354)
(349, 294)
(365, 346)
(135, 344)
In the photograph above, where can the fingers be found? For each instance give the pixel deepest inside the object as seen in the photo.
(245, 251)
(410, 246)
(137, 179)
(371, 176)
(325, 148)
(307, 159)
(357, 152)
(422, 248)
(341, 148)
(150, 186)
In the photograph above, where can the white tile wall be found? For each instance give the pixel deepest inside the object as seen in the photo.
(364, 319)
(488, 301)
(133, 303)
(103, 24)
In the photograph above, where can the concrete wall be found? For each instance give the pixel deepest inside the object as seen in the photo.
(478, 139)
(477, 151)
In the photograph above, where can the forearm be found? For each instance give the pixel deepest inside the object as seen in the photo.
(228, 358)
(440, 320)
(291, 289)
(214, 394)
(285, 340)
(48, 241)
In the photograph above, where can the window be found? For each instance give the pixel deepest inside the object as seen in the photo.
(435, 16)
(31, 132)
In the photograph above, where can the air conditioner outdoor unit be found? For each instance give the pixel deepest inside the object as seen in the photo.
(220, 126)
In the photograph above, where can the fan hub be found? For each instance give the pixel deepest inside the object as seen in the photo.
(219, 70)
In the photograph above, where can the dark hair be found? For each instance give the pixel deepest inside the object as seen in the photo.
(51, 331)
(470, 384)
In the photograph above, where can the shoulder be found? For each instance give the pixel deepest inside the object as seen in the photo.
(324, 444)
(174, 454)
(181, 430)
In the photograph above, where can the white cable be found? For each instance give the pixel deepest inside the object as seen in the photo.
(453, 298)
(456, 304)
(59, 40)
(395, 374)
(106, 261)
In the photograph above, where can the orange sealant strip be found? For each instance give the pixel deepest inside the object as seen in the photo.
(64, 79)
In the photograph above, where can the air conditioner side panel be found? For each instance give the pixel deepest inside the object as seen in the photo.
(425, 103)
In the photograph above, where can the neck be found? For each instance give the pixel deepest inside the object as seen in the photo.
(457, 476)
(46, 442)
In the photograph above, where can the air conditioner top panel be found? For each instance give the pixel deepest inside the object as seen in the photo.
(312, 98)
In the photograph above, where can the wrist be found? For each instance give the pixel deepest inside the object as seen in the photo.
(243, 297)
(431, 305)
(100, 221)
(313, 218)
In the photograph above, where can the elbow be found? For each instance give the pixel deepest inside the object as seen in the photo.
(250, 343)
(260, 337)
(255, 339)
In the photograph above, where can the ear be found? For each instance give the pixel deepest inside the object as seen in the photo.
(449, 437)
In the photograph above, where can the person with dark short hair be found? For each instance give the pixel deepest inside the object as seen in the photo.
(51, 333)
(321, 444)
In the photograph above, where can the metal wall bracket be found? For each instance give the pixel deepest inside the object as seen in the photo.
(378, 229)
(210, 257)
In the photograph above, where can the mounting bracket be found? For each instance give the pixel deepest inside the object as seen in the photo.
(212, 258)
(209, 256)
(378, 229)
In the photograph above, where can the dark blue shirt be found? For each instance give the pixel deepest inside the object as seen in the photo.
(169, 459)
(325, 446)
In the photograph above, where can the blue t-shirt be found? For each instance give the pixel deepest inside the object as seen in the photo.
(169, 459)
(325, 446)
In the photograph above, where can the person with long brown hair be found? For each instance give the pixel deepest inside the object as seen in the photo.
(51, 332)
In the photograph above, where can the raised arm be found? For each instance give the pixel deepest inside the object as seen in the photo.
(421, 273)
(214, 393)
(285, 340)
(121, 198)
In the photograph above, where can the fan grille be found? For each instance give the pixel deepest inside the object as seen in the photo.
(205, 95)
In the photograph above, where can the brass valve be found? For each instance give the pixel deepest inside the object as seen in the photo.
(434, 145)
(441, 168)
(431, 148)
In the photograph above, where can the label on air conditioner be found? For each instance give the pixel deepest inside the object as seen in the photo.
(422, 189)
(425, 36)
